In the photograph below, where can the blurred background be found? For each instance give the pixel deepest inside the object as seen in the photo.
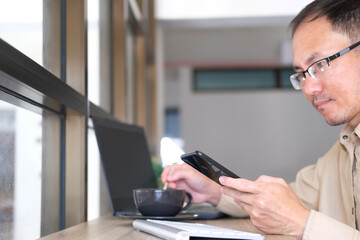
(227, 92)
(208, 75)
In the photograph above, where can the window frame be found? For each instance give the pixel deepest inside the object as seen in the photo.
(63, 90)
(277, 82)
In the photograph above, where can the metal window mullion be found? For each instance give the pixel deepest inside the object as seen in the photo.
(63, 118)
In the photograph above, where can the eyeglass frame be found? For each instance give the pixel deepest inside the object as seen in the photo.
(328, 60)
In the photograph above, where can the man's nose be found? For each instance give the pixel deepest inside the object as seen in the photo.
(311, 86)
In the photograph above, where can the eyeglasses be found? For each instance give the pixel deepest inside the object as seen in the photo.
(319, 69)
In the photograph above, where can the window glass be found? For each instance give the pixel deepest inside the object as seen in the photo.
(130, 74)
(98, 198)
(93, 51)
(99, 56)
(94, 176)
(20, 184)
(234, 79)
(7, 160)
(172, 123)
(24, 185)
(23, 19)
(93, 168)
(285, 78)
(99, 92)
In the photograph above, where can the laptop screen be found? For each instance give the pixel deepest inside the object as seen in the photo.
(126, 161)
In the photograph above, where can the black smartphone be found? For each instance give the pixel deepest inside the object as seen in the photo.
(207, 166)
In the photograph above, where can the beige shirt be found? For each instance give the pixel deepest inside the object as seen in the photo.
(331, 188)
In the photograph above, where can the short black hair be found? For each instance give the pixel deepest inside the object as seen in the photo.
(344, 16)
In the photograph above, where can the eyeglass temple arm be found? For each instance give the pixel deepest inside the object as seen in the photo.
(342, 52)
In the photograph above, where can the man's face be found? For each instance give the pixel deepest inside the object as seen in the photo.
(337, 97)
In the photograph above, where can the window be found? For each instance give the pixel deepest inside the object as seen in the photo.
(114, 71)
(284, 77)
(93, 35)
(99, 53)
(25, 183)
(99, 92)
(45, 108)
(130, 73)
(25, 22)
(237, 79)
(172, 123)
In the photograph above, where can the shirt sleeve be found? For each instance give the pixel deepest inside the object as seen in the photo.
(322, 227)
(228, 206)
(306, 186)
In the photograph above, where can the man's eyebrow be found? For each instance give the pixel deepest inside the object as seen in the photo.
(297, 68)
(309, 60)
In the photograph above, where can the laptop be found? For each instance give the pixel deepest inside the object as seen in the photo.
(126, 163)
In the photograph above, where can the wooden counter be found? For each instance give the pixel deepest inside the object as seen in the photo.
(111, 228)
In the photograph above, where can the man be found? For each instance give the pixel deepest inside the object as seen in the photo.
(324, 201)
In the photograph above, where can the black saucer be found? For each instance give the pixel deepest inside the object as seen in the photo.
(174, 218)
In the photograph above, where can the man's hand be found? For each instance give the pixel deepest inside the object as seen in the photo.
(185, 177)
(273, 207)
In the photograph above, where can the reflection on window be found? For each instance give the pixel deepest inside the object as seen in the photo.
(20, 177)
(20, 20)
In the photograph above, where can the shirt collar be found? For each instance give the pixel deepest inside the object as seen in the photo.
(357, 131)
(349, 134)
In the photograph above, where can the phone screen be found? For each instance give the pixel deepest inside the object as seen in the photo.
(207, 166)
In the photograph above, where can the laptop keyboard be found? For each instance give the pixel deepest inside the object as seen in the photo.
(205, 230)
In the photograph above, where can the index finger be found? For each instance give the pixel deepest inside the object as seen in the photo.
(175, 172)
(240, 184)
(166, 172)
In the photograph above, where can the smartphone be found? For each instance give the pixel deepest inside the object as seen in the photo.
(207, 166)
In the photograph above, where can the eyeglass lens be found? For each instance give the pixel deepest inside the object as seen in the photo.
(318, 70)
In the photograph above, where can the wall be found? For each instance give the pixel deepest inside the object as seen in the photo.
(224, 46)
(272, 132)
(189, 9)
